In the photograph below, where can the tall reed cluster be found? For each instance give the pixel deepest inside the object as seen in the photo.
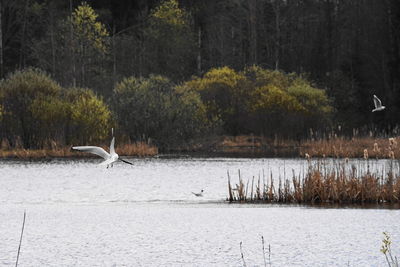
(341, 184)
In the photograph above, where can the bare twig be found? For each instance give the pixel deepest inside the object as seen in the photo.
(241, 252)
(20, 240)
(262, 240)
(269, 254)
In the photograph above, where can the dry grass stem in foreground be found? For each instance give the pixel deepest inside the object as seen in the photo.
(387, 251)
(20, 240)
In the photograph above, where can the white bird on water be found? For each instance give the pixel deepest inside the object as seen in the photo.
(378, 104)
(198, 194)
(110, 158)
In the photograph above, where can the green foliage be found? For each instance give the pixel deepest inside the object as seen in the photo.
(292, 99)
(314, 101)
(36, 109)
(154, 107)
(270, 98)
(262, 101)
(89, 49)
(28, 84)
(169, 41)
(20, 93)
(179, 39)
(50, 114)
(89, 118)
(74, 48)
(170, 13)
(258, 76)
(223, 92)
(87, 29)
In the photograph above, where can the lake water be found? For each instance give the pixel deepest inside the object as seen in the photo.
(82, 214)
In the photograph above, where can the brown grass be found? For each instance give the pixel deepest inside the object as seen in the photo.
(250, 143)
(352, 148)
(139, 149)
(330, 147)
(342, 184)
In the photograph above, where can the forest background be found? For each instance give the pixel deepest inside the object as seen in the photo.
(175, 72)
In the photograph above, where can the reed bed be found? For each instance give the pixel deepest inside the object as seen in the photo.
(352, 148)
(341, 183)
(251, 143)
(332, 146)
(139, 149)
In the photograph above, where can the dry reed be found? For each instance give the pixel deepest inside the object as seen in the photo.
(352, 148)
(254, 145)
(332, 146)
(20, 239)
(387, 251)
(139, 149)
(341, 184)
(241, 253)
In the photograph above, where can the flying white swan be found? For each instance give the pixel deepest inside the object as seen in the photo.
(198, 194)
(378, 104)
(110, 158)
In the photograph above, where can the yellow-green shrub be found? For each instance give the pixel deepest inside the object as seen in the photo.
(36, 110)
(261, 101)
(155, 107)
(20, 92)
(89, 116)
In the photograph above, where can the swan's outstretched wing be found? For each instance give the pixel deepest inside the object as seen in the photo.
(377, 102)
(94, 150)
(112, 149)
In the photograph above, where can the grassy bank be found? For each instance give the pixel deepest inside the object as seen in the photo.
(139, 149)
(244, 145)
(341, 184)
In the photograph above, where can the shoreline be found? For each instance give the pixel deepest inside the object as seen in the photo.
(239, 146)
(139, 149)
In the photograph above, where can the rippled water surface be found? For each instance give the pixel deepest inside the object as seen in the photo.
(81, 214)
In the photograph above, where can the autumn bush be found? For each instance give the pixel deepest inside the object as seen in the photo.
(156, 108)
(37, 112)
(89, 118)
(262, 101)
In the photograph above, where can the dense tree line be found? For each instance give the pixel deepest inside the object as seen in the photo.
(36, 112)
(350, 49)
